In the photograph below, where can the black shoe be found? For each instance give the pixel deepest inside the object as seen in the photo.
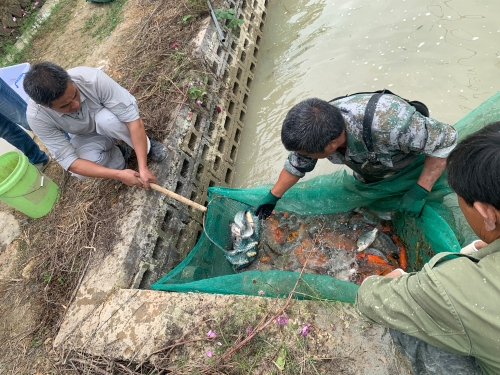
(126, 152)
(158, 152)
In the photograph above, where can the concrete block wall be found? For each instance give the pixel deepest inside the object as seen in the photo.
(206, 143)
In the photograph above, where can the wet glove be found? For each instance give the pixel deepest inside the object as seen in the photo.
(413, 201)
(266, 206)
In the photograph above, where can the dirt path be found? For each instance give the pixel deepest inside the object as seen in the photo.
(39, 272)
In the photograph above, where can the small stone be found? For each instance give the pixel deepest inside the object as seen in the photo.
(28, 269)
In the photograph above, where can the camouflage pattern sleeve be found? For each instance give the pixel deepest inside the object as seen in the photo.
(428, 136)
(299, 165)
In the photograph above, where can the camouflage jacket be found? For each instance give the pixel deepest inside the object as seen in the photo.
(399, 135)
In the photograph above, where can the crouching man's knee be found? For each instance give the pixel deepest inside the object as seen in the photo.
(98, 149)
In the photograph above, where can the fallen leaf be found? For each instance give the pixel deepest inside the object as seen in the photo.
(281, 360)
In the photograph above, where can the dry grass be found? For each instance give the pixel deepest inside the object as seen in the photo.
(54, 254)
(56, 250)
(160, 67)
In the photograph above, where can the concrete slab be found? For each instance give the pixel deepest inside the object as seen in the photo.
(10, 229)
(133, 325)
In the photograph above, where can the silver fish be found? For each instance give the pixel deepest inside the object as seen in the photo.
(384, 243)
(239, 218)
(373, 217)
(366, 239)
(249, 227)
(245, 234)
(243, 225)
(241, 258)
(235, 234)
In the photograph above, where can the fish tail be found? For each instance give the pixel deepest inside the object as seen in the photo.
(403, 259)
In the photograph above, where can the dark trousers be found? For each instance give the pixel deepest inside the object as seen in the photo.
(426, 359)
(18, 138)
(12, 113)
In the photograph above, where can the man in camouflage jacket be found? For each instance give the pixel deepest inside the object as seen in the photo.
(314, 129)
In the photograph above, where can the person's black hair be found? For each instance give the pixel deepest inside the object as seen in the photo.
(46, 82)
(474, 167)
(310, 125)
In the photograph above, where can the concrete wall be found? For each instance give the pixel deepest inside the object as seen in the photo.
(159, 231)
(206, 144)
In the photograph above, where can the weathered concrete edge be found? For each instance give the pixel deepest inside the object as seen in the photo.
(132, 325)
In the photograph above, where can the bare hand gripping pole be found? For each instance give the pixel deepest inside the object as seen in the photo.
(219, 30)
(176, 196)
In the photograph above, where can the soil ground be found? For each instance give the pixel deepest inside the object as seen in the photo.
(41, 269)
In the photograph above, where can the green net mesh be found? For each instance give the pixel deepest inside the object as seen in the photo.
(441, 227)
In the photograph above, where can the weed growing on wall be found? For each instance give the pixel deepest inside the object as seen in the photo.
(232, 22)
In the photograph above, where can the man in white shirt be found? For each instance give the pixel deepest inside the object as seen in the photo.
(95, 111)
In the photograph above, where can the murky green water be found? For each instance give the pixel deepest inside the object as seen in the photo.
(444, 53)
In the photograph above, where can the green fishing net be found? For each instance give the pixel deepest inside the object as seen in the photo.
(441, 227)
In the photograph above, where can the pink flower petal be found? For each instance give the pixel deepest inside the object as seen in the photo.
(175, 45)
(249, 330)
(4, 27)
(209, 353)
(261, 292)
(211, 334)
(14, 19)
(219, 343)
(305, 330)
(282, 320)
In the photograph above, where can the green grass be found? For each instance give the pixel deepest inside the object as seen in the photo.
(91, 22)
(109, 20)
(8, 46)
(57, 20)
(99, 25)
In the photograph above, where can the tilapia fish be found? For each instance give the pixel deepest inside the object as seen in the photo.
(373, 217)
(245, 239)
(341, 245)
(366, 239)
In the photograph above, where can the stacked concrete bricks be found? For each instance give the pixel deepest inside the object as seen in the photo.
(206, 142)
(234, 62)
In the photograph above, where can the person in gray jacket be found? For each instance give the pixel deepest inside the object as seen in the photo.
(95, 111)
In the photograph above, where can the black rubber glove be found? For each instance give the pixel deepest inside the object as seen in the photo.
(266, 206)
(413, 201)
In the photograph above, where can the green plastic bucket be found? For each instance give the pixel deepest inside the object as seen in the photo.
(25, 188)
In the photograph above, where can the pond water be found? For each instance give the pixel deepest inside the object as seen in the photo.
(443, 53)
